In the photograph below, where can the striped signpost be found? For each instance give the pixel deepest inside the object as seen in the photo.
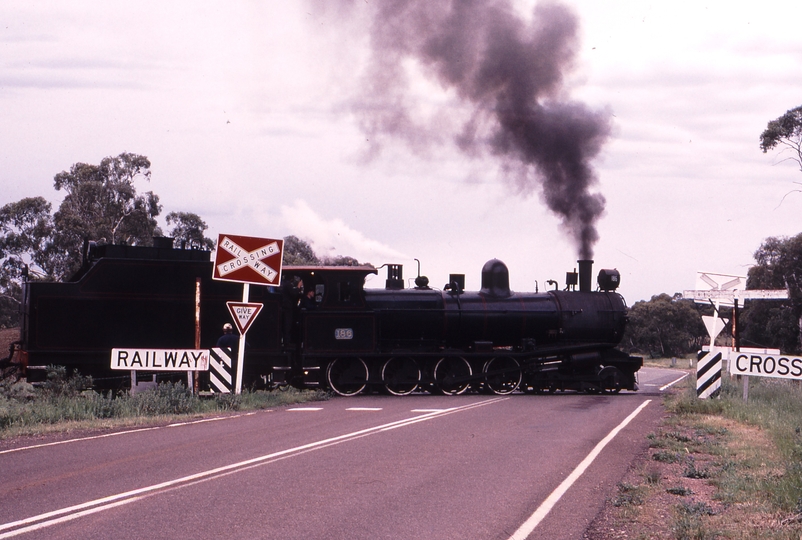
(246, 260)
(708, 374)
(221, 370)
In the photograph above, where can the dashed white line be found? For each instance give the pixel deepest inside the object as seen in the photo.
(62, 515)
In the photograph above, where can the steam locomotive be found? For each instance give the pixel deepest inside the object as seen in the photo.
(344, 337)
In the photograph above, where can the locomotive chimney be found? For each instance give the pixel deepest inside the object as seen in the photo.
(395, 277)
(585, 274)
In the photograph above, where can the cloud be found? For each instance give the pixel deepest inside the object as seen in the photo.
(332, 237)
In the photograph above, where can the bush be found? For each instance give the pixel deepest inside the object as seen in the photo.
(25, 408)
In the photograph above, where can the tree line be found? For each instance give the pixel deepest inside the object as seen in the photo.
(101, 204)
(668, 325)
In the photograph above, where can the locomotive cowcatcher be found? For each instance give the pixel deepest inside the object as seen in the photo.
(324, 329)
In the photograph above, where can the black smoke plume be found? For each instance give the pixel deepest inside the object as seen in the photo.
(506, 76)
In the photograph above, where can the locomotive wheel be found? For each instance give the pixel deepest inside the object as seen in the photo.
(611, 380)
(502, 375)
(400, 375)
(448, 373)
(347, 376)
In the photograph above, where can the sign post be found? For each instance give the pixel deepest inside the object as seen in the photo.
(247, 260)
(243, 314)
(722, 289)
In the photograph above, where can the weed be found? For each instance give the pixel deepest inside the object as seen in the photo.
(699, 508)
(679, 490)
(628, 495)
(666, 457)
(25, 409)
(59, 384)
(691, 471)
(653, 476)
(679, 437)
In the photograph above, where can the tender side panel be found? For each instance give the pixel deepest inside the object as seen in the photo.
(139, 304)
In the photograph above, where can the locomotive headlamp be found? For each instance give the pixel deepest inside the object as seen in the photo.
(609, 280)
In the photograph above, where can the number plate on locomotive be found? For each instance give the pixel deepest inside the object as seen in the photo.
(343, 333)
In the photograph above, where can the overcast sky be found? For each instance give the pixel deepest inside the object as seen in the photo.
(253, 115)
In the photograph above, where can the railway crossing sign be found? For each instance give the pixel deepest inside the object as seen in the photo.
(243, 314)
(721, 290)
(725, 289)
(248, 259)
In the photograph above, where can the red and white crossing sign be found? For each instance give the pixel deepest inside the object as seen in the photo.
(247, 259)
(244, 314)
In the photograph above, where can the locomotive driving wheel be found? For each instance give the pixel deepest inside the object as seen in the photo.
(502, 375)
(451, 375)
(401, 375)
(347, 376)
(611, 380)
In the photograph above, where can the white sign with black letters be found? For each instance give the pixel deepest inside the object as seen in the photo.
(160, 359)
(781, 366)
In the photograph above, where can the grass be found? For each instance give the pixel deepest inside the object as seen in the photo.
(775, 406)
(717, 468)
(65, 403)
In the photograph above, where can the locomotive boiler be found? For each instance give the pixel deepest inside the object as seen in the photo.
(324, 329)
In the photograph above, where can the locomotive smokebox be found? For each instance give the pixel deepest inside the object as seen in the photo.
(585, 274)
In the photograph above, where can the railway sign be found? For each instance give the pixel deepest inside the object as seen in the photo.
(160, 359)
(243, 314)
(726, 297)
(721, 290)
(248, 259)
(724, 289)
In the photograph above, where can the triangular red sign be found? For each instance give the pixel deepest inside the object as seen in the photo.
(243, 314)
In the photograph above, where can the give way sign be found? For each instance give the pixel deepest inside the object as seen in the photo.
(243, 314)
(248, 259)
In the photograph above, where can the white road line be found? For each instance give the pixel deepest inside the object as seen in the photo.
(67, 441)
(669, 385)
(302, 409)
(367, 409)
(126, 432)
(61, 515)
(534, 520)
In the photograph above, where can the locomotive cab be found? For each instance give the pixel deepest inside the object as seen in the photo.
(324, 316)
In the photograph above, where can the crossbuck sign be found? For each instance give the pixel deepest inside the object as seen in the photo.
(246, 259)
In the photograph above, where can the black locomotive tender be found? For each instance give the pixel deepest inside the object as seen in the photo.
(351, 339)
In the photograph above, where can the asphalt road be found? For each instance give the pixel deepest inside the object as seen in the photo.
(439, 467)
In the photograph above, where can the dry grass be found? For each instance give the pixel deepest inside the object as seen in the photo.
(705, 476)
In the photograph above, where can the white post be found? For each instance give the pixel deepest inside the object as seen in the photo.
(241, 352)
(746, 388)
